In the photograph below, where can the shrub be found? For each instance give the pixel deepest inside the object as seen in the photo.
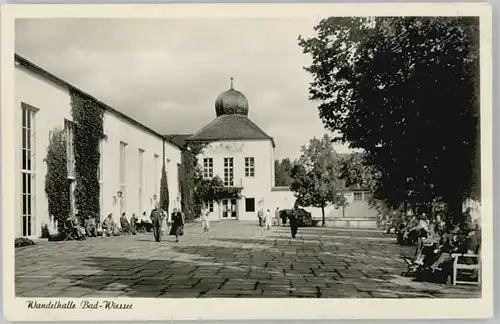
(45, 231)
(57, 237)
(23, 241)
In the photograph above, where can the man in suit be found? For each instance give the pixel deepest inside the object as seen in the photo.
(294, 225)
(157, 217)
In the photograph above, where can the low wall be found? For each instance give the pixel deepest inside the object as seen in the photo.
(362, 222)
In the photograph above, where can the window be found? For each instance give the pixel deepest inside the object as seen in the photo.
(367, 196)
(70, 153)
(123, 177)
(155, 174)
(100, 176)
(210, 206)
(28, 170)
(249, 204)
(228, 172)
(249, 167)
(179, 177)
(358, 196)
(208, 168)
(140, 172)
(69, 129)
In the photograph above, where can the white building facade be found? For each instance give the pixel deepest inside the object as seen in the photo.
(236, 150)
(132, 154)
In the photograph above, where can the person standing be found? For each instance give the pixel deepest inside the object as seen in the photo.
(169, 222)
(294, 226)
(277, 216)
(260, 215)
(205, 222)
(269, 219)
(177, 228)
(157, 220)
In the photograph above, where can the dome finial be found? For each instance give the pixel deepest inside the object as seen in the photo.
(231, 102)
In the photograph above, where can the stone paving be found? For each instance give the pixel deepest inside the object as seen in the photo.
(234, 260)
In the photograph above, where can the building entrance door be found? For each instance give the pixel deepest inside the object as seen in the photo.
(229, 209)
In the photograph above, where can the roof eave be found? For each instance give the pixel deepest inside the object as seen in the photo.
(65, 84)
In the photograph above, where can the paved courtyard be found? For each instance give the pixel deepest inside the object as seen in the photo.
(233, 260)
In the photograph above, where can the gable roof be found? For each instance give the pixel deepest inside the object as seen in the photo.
(178, 139)
(231, 127)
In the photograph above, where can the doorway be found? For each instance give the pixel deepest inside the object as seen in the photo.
(229, 209)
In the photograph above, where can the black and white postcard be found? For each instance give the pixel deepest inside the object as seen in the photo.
(247, 161)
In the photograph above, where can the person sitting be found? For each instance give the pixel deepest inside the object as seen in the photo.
(426, 245)
(146, 224)
(134, 223)
(78, 226)
(125, 225)
(451, 242)
(414, 229)
(109, 227)
(400, 229)
(440, 225)
(91, 227)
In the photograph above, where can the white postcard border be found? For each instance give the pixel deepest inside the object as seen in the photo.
(165, 309)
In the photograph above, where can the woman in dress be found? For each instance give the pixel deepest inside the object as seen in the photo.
(269, 219)
(177, 228)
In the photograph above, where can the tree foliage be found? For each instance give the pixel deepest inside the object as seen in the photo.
(405, 90)
(283, 172)
(355, 171)
(316, 176)
(190, 178)
(56, 180)
(88, 115)
(164, 194)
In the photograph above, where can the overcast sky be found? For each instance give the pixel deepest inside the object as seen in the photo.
(167, 73)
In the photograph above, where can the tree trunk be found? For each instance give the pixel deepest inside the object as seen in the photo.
(323, 215)
(454, 207)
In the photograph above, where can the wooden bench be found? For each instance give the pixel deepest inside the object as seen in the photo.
(458, 265)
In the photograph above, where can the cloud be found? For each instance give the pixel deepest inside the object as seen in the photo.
(166, 73)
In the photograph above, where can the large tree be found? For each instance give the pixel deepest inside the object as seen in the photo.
(164, 194)
(283, 172)
(405, 90)
(316, 176)
(355, 171)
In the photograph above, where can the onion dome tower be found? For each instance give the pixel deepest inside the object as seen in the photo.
(231, 102)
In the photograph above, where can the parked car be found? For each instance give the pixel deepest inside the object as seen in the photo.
(304, 218)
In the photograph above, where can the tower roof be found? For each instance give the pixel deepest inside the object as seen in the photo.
(232, 122)
(231, 102)
(230, 127)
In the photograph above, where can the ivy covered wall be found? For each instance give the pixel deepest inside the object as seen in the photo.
(88, 116)
(56, 179)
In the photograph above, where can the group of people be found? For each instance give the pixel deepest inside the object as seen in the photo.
(90, 227)
(267, 219)
(436, 242)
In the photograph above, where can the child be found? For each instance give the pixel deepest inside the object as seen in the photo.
(205, 223)
(268, 219)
